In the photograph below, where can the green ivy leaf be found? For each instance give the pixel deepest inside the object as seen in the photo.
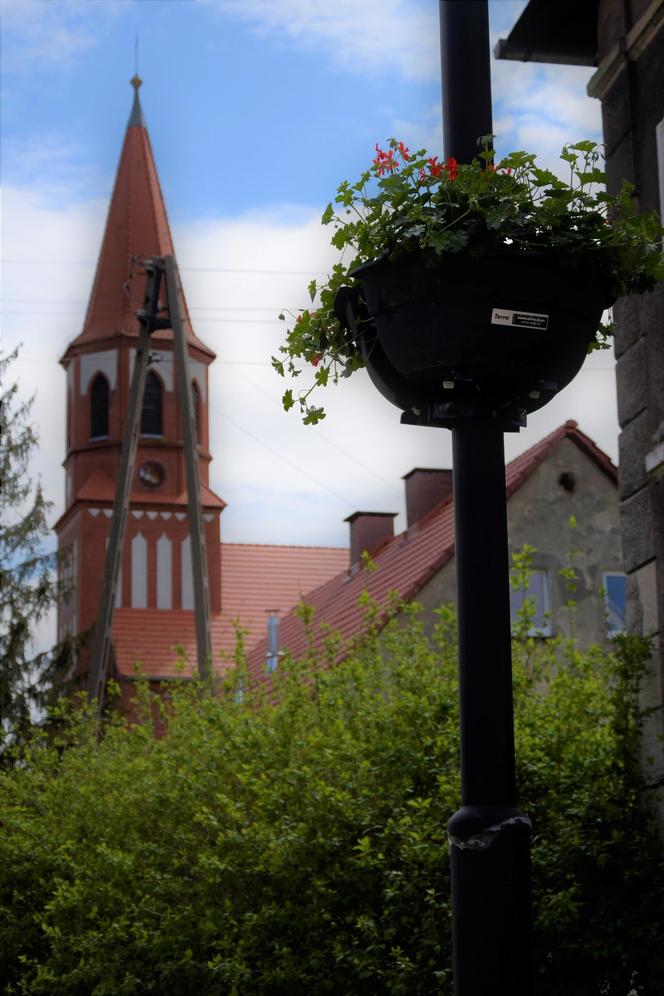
(313, 416)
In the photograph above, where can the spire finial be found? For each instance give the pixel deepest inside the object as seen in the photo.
(136, 79)
(136, 117)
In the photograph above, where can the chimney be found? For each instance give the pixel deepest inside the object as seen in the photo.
(273, 651)
(367, 531)
(425, 488)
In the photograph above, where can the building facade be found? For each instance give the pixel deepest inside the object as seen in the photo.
(154, 604)
(624, 41)
(562, 501)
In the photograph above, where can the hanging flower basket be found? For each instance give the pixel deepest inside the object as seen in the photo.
(471, 289)
(480, 336)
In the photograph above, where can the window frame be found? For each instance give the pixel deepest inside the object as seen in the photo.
(153, 377)
(546, 629)
(607, 614)
(196, 398)
(95, 405)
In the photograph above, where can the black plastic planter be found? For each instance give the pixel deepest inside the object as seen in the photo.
(483, 337)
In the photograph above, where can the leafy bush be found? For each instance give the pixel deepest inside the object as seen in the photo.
(294, 842)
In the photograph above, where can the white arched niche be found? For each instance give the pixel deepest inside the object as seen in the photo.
(187, 575)
(164, 573)
(139, 572)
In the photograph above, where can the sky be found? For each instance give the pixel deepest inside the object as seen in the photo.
(256, 110)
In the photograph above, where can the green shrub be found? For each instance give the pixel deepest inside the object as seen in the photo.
(295, 843)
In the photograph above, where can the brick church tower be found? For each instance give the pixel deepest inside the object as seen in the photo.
(156, 577)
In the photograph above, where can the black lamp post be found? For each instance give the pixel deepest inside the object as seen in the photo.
(474, 345)
(489, 837)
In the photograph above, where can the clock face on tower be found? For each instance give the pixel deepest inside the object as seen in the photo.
(151, 473)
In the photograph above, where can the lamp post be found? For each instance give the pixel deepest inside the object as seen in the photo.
(473, 345)
(489, 838)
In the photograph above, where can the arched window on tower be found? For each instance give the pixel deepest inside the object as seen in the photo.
(196, 395)
(151, 415)
(99, 407)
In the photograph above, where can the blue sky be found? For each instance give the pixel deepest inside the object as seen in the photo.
(249, 103)
(256, 110)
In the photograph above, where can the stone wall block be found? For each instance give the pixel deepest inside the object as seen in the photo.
(630, 382)
(616, 118)
(627, 314)
(633, 609)
(620, 163)
(637, 530)
(632, 444)
(654, 345)
(648, 96)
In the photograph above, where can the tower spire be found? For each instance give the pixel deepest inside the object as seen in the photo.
(136, 227)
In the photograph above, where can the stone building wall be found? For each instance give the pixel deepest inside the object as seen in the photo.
(630, 84)
(539, 514)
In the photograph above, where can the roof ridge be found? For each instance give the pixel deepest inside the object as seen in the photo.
(288, 546)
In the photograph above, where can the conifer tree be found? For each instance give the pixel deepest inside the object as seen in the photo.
(29, 586)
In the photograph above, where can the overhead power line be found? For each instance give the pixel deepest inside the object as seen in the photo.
(221, 321)
(182, 269)
(83, 304)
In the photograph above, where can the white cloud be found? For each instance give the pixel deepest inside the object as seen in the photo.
(284, 482)
(52, 166)
(47, 32)
(365, 36)
(540, 108)
(425, 132)
(42, 307)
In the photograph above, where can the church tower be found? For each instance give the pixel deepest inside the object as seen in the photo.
(156, 574)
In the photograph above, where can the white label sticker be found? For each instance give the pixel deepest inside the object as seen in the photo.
(519, 319)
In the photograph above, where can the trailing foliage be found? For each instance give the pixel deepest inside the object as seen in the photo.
(28, 586)
(293, 841)
(409, 203)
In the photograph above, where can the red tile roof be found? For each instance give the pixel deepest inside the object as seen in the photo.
(406, 562)
(137, 226)
(254, 578)
(148, 638)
